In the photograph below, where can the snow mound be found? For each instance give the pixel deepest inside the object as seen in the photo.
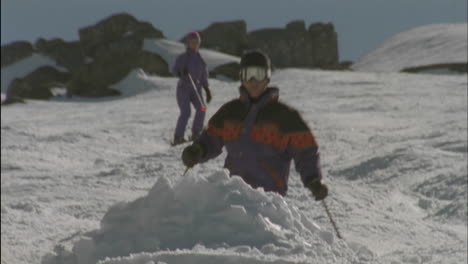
(421, 46)
(216, 217)
(137, 81)
(169, 50)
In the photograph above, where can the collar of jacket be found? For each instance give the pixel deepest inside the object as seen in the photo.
(271, 94)
(191, 51)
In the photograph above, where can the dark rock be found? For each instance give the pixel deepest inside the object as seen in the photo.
(94, 79)
(441, 67)
(292, 46)
(227, 37)
(230, 70)
(16, 51)
(295, 46)
(343, 66)
(296, 26)
(285, 48)
(36, 85)
(67, 54)
(324, 47)
(98, 38)
(13, 100)
(151, 63)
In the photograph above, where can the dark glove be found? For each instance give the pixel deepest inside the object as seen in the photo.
(192, 155)
(318, 189)
(208, 94)
(183, 72)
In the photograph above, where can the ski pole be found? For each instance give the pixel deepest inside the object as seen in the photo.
(331, 219)
(203, 108)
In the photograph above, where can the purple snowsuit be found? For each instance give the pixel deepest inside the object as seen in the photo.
(261, 138)
(192, 62)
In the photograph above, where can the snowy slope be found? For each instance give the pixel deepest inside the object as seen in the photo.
(426, 45)
(86, 179)
(98, 178)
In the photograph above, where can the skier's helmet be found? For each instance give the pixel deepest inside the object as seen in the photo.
(255, 64)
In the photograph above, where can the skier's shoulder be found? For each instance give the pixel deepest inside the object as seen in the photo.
(232, 105)
(277, 107)
(229, 110)
(182, 56)
(286, 116)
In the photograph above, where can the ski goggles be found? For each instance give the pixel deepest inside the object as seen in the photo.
(257, 73)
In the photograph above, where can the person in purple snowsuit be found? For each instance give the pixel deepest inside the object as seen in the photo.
(191, 70)
(261, 135)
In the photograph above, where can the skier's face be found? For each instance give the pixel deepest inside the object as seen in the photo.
(255, 88)
(194, 44)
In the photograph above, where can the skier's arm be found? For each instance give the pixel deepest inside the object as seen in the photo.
(204, 79)
(211, 139)
(307, 161)
(212, 145)
(178, 66)
(303, 148)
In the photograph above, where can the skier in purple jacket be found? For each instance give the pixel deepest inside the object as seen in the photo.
(192, 71)
(261, 135)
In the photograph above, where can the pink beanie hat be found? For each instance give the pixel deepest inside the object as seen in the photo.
(193, 35)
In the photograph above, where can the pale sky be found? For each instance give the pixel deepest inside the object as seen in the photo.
(361, 24)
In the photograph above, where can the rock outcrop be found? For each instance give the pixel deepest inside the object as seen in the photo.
(104, 55)
(107, 51)
(16, 51)
(292, 46)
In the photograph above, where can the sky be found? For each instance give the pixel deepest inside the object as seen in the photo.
(361, 24)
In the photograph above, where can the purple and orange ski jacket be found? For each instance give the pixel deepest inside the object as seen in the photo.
(261, 137)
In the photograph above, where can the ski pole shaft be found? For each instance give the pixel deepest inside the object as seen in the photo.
(203, 108)
(186, 170)
(331, 220)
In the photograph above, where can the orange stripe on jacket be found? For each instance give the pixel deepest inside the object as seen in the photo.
(273, 174)
(230, 131)
(266, 134)
(269, 133)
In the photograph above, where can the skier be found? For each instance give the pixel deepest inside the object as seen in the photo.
(261, 135)
(191, 70)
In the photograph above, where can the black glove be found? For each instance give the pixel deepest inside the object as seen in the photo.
(318, 189)
(208, 94)
(192, 154)
(183, 72)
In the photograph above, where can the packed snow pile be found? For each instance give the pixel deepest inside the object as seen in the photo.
(137, 81)
(231, 217)
(421, 46)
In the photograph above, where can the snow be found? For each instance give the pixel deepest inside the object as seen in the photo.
(96, 179)
(229, 216)
(25, 66)
(425, 45)
(169, 50)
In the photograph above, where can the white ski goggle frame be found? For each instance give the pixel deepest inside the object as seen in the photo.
(258, 73)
